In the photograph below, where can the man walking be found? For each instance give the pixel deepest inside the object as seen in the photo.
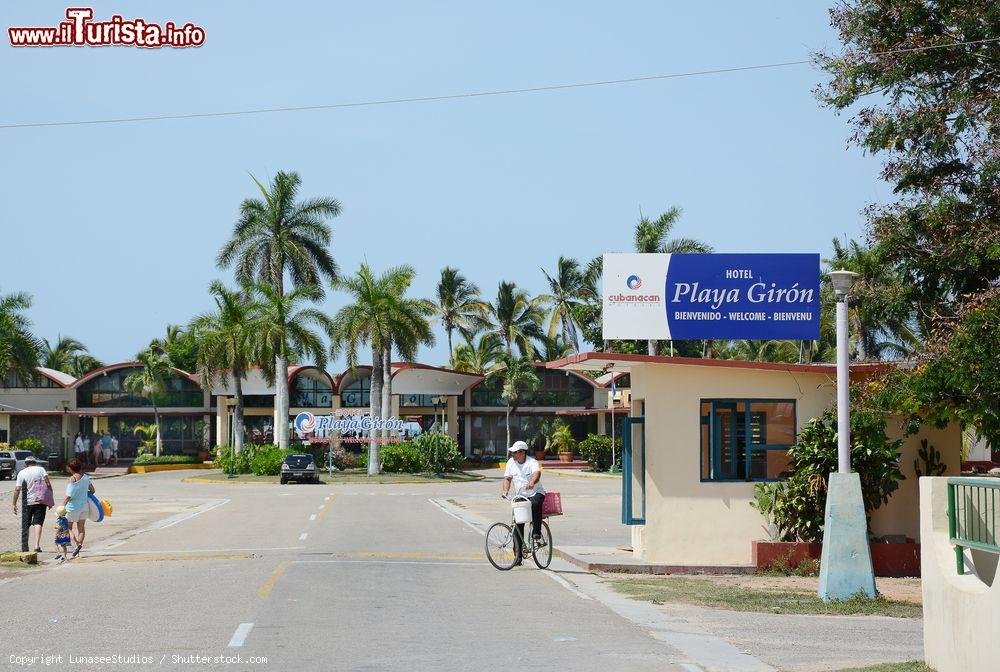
(78, 448)
(34, 479)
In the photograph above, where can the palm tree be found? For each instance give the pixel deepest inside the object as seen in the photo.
(282, 331)
(554, 348)
(458, 306)
(652, 236)
(568, 286)
(516, 375)
(368, 321)
(18, 346)
(277, 234)
(226, 344)
(83, 364)
(881, 324)
(150, 383)
(760, 351)
(60, 356)
(516, 318)
(477, 356)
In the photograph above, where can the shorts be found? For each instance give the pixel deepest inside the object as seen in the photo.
(79, 514)
(107, 453)
(36, 514)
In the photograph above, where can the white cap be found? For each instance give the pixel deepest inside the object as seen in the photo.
(518, 445)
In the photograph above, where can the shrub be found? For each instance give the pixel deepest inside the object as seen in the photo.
(438, 452)
(400, 458)
(231, 462)
(146, 460)
(267, 460)
(596, 449)
(797, 505)
(32, 444)
(344, 459)
(362, 459)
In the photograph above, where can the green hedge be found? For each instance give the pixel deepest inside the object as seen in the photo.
(267, 460)
(400, 458)
(438, 452)
(146, 460)
(596, 449)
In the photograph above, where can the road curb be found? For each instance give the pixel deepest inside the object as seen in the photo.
(235, 481)
(28, 558)
(579, 474)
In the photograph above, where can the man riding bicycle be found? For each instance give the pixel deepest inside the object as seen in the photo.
(523, 473)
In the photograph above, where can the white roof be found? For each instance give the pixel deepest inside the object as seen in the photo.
(64, 379)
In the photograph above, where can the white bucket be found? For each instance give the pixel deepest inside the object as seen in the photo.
(522, 512)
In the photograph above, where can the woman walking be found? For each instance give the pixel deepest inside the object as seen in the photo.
(77, 503)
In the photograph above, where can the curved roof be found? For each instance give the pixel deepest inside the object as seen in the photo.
(415, 378)
(90, 375)
(59, 377)
(295, 369)
(545, 365)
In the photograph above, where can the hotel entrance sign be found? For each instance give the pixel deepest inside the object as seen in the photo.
(718, 296)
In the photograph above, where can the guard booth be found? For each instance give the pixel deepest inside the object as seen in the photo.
(702, 433)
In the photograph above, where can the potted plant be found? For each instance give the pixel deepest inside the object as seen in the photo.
(562, 442)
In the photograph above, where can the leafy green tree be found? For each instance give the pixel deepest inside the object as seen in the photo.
(149, 381)
(516, 319)
(283, 331)
(477, 356)
(69, 356)
(459, 307)
(19, 347)
(276, 234)
(227, 346)
(924, 78)
(516, 375)
(83, 364)
(180, 346)
(652, 236)
(567, 287)
(759, 351)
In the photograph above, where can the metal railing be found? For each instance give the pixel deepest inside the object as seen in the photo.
(972, 516)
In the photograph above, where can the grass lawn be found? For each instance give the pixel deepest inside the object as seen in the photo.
(913, 666)
(348, 476)
(707, 593)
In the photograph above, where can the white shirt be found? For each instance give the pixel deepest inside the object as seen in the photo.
(79, 445)
(520, 474)
(26, 477)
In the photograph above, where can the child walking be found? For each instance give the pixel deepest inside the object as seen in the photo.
(62, 533)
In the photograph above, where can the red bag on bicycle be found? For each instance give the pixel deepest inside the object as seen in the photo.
(552, 504)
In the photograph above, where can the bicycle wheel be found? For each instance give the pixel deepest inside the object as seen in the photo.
(500, 546)
(543, 554)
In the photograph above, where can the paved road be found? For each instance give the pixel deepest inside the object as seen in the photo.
(311, 578)
(360, 577)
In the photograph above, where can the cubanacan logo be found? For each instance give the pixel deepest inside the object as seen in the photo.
(634, 282)
(305, 423)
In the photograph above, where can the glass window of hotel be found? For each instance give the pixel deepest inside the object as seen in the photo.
(557, 388)
(309, 390)
(746, 439)
(38, 381)
(108, 391)
(357, 393)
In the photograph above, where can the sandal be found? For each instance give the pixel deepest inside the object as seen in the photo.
(77, 551)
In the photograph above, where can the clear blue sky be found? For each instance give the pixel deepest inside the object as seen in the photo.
(114, 229)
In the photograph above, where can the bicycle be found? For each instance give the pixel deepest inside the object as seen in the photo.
(500, 543)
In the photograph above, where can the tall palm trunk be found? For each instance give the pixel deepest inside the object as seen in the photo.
(709, 349)
(159, 438)
(281, 401)
(451, 350)
(386, 386)
(238, 411)
(375, 410)
(651, 346)
(509, 444)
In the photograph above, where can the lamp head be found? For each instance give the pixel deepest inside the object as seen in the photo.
(842, 281)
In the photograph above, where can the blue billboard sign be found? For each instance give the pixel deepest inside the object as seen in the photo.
(711, 296)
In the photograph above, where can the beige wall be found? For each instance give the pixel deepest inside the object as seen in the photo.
(901, 514)
(689, 522)
(961, 612)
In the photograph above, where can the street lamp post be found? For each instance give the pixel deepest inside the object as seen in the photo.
(846, 565)
(842, 281)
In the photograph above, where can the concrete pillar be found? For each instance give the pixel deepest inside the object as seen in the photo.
(222, 421)
(453, 417)
(468, 435)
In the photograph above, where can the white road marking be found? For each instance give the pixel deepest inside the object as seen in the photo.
(566, 584)
(327, 498)
(312, 517)
(114, 545)
(187, 516)
(302, 537)
(457, 517)
(194, 551)
(388, 562)
(320, 507)
(240, 636)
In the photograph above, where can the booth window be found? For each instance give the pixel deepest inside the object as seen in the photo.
(746, 439)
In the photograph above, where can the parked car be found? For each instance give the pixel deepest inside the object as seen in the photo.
(299, 468)
(8, 465)
(18, 456)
